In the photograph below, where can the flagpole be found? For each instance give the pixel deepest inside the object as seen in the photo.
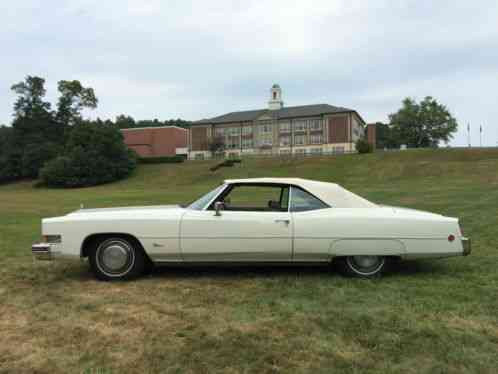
(468, 134)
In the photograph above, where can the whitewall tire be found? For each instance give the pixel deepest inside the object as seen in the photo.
(117, 258)
(363, 266)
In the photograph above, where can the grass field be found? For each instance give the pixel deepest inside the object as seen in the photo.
(427, 317)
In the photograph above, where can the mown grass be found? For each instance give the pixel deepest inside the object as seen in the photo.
(427, 317)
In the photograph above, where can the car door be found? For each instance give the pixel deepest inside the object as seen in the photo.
(255, 225)
(313, 227)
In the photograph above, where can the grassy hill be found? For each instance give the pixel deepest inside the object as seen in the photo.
(430, 316)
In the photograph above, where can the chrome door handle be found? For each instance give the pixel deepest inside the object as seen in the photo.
(286, 221)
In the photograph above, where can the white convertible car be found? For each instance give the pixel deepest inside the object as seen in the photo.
(263, 220)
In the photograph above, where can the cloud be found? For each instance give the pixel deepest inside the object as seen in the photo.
(195, 59)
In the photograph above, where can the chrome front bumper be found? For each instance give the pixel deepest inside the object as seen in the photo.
(467, 247)
(42, 251)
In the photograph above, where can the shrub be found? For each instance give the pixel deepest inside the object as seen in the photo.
(10, 156)
(35, 155)
(10, 165)
(94, 154)
(161, 160)
(362, 146)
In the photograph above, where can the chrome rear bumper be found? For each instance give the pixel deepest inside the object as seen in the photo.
(467, 247)
(42, 251)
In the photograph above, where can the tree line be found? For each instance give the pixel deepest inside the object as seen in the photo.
(63, 149)
(58, 145)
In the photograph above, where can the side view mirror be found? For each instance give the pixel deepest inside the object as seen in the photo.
(218, 207)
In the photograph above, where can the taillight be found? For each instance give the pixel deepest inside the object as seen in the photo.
(451, 237)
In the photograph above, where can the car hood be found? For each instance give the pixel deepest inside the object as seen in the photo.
(125, 213)
(124, 209)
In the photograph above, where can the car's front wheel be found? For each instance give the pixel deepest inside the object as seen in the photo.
(116, 258)
(363, 266)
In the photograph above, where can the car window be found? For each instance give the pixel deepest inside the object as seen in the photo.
(260, 198)
(302, 201)
(200, 203)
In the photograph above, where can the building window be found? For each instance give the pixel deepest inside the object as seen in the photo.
(316, 151)
(299, 140)
(285, 141)
(247, 143)
(316, 139)
(300, 151)
(274, 95)
(233, 142)
(315, 125)
(285, 151)
(266, 140)
(219, 132)
(233, 131)
(285, 127)
(199, 156)
(300, 126)
(265, 128)
(247, 130)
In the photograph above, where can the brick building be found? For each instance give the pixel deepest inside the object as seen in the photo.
(157, 141)
(314, 129)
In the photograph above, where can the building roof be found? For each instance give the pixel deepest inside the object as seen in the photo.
(153, 128)
(330, 193)
(286, 112)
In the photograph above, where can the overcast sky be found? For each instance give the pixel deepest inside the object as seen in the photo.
(197, 59)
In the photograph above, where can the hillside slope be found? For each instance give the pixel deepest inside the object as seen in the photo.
(428, 316)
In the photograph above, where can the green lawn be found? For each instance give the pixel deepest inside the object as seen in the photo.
(428, 317)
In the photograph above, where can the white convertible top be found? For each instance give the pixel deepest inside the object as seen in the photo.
(330, 193)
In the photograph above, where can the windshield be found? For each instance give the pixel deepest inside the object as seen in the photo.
(200, 203)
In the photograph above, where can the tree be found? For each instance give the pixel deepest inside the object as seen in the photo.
(33, 119)
(73, 99)
(10, 156)
(38, 134)
(30, 102)
(423, 124)
(385, 137)
(35, 137)
(125, 122)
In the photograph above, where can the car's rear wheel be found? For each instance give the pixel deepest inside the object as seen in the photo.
(363, 266)
(117, 258)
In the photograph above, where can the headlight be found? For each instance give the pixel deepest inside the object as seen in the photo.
(52, 238)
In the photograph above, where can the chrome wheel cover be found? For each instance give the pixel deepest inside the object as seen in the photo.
(366, 265)
(115, 257)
